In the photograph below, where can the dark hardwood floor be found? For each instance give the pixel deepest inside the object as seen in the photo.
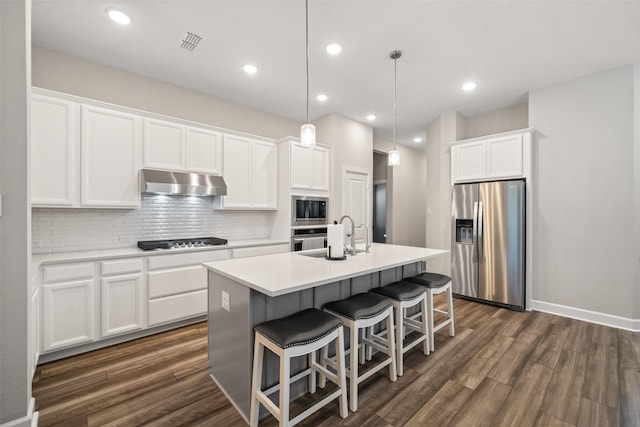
(502, 368)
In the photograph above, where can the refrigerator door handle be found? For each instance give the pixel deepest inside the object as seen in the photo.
(480, 243)
(475, 224)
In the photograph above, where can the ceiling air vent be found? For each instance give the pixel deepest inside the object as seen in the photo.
(189, 40)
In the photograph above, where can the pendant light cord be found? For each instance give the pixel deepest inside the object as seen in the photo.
(395, 91)
(307, 47)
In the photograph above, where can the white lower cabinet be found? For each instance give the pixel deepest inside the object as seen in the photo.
(68, 314)
(177, 285)
(121, 304)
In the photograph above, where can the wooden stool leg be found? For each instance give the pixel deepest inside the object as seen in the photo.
(426, 346)
(452, 331)
(322, 381)
(342, 377)
(285, 378)
(369, 348)
(256, 381)
(391, 347)
(362, 347)
(399, 338)
(312, 373)
(353, 380)
(430, 318)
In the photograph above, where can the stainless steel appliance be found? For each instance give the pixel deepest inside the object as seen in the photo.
(308, 210)
(308, 238)
(194, 242)
(488, 242)
(181, 183)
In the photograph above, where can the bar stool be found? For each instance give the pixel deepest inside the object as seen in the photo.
(358, 312)
(405, 295)
(302, 333)
(435, 284)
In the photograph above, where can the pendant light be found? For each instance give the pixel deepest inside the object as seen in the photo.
(394, 155)
(307, 131)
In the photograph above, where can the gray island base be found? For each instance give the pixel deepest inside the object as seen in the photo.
(248, 291)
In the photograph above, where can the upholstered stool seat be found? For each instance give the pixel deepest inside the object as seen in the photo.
(359, 312)
(302, 333)
(406, 295)
(436, 283)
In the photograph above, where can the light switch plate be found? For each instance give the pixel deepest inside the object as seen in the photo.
(225, 301)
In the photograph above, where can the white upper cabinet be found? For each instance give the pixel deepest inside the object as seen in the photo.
(110, 147)
(493, 157)
(163, 146)
(54, 152)
(203, 151)
(173, 146)
(309, 168)
(251, 174)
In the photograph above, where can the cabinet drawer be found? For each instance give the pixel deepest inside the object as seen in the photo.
(175, 281)
(59, 273)
(260, 250)
(180, 260)
(176, 307)
(121, 266)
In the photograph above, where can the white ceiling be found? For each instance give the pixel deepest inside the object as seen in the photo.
(508, 47)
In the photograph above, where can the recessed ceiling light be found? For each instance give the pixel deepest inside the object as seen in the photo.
(469, 86)
(322, 97)
(371, 117)
(250, 68)
(118, 16)
(334, 48)
(417, 140)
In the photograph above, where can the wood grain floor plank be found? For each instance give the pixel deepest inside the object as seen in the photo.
(546, 420)
(513, 360)
(482, 406)
(605, 335)
(524, 401)
(580, 336)
(472, 373)
(601, 385)
(630, 397)
(564, 393)
(594, 414)
(629, 350)
(441, 409)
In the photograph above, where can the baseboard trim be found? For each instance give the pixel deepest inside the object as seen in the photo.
(29, 420)
(625, 323)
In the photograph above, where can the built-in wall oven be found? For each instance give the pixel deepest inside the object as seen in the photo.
(303, 239)
(309, 210)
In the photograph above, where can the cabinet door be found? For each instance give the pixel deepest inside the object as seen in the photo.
(469, 161)
(110, 147)
(504, 157)
(204, 151)
(54, 152)
(237, 171)
(264, 179)
(163, 145)
(301, 166)
(320, 168)
(68, 314)
(121, 304)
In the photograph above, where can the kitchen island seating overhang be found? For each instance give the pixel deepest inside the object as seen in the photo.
(244, 293)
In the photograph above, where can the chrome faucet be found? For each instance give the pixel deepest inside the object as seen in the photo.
(352, 251)
(368, 242)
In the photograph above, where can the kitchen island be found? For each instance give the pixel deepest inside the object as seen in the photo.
(246, 292)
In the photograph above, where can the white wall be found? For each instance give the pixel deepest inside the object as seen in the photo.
(406, 188)
(351, 145)
(506, 119)
(63, 73)
(15, 245)
(585, 251)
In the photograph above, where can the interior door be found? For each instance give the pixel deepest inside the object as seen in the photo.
(355, 202)
(380, 213)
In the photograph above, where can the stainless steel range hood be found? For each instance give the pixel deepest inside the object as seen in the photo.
(181, 183)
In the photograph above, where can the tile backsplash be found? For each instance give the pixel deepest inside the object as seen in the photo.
(159, 217)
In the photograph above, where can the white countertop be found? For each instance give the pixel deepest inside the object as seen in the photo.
(62, 257)
(280, 274)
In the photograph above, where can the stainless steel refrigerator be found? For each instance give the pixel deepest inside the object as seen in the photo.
(488, 242)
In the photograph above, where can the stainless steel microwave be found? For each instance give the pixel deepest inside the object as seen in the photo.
(309, 210)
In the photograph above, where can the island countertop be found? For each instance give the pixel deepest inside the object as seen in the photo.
(280, 274)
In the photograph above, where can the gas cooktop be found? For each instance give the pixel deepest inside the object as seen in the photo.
(195, 242)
